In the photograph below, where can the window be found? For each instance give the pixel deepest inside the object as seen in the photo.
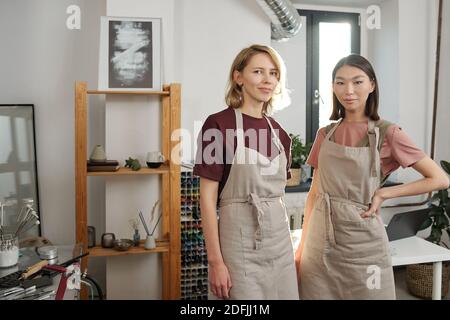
(330, 36)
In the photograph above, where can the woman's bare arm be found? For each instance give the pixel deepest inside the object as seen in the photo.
(219, 278)
(434, 178)
(310, 199)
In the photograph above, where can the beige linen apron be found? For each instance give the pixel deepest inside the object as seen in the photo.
(346, 256)
(253, 225)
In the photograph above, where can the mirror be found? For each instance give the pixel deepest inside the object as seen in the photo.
(18, 171)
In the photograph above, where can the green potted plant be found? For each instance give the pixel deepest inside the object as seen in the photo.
(419, 277)
(299, 154)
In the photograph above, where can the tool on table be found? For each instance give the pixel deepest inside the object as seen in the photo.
(33, 269)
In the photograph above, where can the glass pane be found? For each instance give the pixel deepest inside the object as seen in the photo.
(335, 43)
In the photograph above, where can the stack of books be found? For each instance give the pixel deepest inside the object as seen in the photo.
(107, 165)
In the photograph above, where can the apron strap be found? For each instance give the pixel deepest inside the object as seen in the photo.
(276, 140)
(240, 137)
(374, 135)
(333, 129)
(255, 201)
(328, 222)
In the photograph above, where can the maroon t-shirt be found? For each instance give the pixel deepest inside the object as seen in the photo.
(213, 137)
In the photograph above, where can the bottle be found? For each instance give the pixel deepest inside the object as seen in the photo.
(136, 237)
(91, 236)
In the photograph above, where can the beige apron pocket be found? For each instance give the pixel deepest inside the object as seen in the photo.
(347, 212)
(230, 237)
(252, 257)
(317, 236)
(362, 240)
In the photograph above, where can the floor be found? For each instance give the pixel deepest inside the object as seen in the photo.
(401, 288)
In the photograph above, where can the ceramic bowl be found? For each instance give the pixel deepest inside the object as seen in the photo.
(154, 165)
(123, 244)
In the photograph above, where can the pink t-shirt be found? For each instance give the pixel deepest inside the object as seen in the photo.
(397, 149)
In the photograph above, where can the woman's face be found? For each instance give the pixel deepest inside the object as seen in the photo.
(258, 79)
(352, 87)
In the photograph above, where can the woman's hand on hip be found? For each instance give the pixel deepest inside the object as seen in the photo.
(219, 280)
(377, 201)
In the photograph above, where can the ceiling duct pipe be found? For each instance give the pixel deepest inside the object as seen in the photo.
(285, 20)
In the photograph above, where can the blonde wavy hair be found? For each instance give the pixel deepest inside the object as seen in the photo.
(280, 98)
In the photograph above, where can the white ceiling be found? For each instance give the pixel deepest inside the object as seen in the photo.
(339, 3)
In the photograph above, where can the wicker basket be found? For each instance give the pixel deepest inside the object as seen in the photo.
(295, 178)
(419, 279)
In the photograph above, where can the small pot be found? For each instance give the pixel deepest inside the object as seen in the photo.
(108, 240)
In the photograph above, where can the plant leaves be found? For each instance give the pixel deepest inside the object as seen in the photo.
(443, 194)
(299, 151)
(447, 208)
(441, 221)
(436, 233)
(446, 166)
(436, 211)
(431, 239)
(435, 197)
(426, 224)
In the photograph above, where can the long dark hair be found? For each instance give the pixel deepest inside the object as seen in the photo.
(371, 110)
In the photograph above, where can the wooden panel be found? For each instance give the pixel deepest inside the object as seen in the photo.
(127, 171)
(161, 93)
(175, 201)
(165, 192)
(80, 171)
(165, 276)
(165, 148)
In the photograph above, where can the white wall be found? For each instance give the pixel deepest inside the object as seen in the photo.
(443, 118)
(417, 47)
(40, 61)
(293, 53)
(384, 54)
(211, 33)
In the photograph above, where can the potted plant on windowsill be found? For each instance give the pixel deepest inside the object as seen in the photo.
(419, 277)
(299, 154)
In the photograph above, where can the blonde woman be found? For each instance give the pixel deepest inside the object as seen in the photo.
(243, 162)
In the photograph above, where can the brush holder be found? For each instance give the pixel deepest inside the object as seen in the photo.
(9, 250)
(150, 242)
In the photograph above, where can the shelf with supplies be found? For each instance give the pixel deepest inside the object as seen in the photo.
(127, 171)
(169, 245)
(194, 262)
(161, 246)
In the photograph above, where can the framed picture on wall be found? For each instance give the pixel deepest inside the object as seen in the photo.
(130, 54)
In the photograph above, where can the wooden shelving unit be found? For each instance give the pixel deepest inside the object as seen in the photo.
(161, 246)
(127, 171)
(169, 244)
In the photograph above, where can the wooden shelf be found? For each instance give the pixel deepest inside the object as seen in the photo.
(127, 171)
(160, 93)
(161, 246)
(170, 245)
